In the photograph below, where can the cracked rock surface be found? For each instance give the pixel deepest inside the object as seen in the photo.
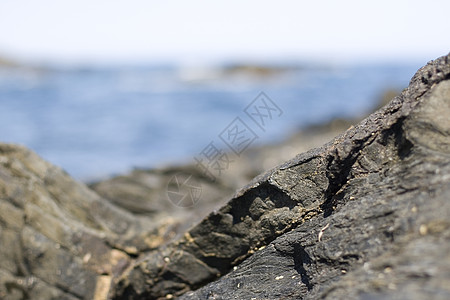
(364, 216)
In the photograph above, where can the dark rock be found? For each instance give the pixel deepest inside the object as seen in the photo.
(144, 191)
(364, 216)
(58, 239)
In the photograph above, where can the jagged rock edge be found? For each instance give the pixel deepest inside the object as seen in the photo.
(392, 114)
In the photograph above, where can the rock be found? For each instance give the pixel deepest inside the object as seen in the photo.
(364, 216)
(7, 63)
(258, 70)
(144, 191)
(59, 239)
(57, 227)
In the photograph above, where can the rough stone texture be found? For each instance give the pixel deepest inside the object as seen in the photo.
(144, 191)
(365, 216)
(58, 239)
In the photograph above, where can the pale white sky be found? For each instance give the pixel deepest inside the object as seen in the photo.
(134, 30)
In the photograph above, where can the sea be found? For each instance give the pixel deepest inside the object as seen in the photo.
(100, 121)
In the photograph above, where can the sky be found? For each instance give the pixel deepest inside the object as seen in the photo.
(156, 31)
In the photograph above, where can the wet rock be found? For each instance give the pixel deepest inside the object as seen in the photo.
(364, 216)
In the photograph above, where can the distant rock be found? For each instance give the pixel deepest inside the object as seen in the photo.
(7, 63)
(11, 64)
(237, 72)
(258, 70)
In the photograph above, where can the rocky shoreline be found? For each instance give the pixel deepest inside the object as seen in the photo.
(365, 216)
(144, 191)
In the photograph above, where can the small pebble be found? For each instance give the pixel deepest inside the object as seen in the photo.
(423, 229)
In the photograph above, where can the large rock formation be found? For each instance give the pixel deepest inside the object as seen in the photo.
(364, 216)
(350, 218)
(144, 191)
(58, 239)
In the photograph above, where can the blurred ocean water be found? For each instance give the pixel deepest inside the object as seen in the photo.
(100, 121)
